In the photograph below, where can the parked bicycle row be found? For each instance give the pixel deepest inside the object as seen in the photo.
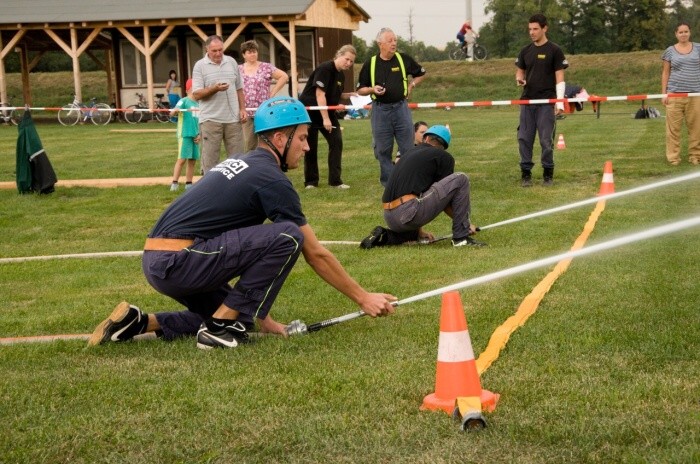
(98, 113)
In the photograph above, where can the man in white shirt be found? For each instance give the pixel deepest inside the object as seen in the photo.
(218, 87)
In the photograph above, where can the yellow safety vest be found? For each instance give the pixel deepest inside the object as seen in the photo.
(372, 69)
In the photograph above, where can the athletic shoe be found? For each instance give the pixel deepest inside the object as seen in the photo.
(467, 241)
(125, 322)
(310, 187)
(378, 237)
(548, 182)
(228, 336)
(188, 186)
(341, 186)
(174, 187)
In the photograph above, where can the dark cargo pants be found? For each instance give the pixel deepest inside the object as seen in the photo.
(198, 277)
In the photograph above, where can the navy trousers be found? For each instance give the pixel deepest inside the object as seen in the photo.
(198, 277)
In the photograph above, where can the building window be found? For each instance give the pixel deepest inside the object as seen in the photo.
(134, 63)
(272, 51)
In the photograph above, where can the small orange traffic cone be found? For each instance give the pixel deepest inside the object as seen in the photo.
(456, 375)
(561, 145)
(607, 186)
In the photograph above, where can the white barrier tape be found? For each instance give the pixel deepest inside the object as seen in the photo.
(541, 101)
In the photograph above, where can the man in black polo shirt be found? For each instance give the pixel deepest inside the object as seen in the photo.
(540, 71)
(215, 233)
(422, 186)
(385, 78)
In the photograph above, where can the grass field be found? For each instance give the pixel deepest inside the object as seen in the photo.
(606, 370)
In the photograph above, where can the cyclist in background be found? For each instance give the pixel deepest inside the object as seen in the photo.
(468, 36)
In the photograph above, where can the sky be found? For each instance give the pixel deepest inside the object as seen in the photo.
(435, 22)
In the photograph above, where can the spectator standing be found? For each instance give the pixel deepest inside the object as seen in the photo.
(325, 88)
(421, 187)
(172, 88)
(468, 36)
(681, 74)
(385, 78)
(243, 219)
(257, 79)
(218, 87)
(187, 138)
(540, 71)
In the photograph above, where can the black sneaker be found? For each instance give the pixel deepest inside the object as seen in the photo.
(229, 335)
(125, 322)
(378, 237)
(467, 241)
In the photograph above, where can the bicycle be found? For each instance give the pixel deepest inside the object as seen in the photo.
(135, 113)
(9, 116)
(99, 113)
(460, 53)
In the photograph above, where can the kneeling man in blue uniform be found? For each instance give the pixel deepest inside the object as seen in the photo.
(215, 233)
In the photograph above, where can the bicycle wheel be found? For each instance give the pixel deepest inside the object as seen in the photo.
(10, 116)
(480, 53)
(69, 115)
(14, 117)
(161, 115)
(457, 54)
(131, 116)
(100, 114)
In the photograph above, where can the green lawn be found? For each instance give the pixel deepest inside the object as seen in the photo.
(606, 371)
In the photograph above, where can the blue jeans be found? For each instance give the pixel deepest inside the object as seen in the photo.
(389, 121)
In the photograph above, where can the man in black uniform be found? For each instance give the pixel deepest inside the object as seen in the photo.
(325, 88)
(215, 232)
(422, 186)
(385, 78)
(540, 71)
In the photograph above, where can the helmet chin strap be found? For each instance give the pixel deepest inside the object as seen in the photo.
(282, 156)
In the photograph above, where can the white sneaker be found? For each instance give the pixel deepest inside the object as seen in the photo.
(341, 186)
(174, 187)
(310, 187)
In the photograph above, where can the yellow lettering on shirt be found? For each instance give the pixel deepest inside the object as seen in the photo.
(395, 69)
(541, 56)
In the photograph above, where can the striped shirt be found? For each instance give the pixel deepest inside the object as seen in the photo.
(222, 106)
(685, 70)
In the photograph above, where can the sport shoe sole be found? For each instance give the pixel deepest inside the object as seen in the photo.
(111, 328)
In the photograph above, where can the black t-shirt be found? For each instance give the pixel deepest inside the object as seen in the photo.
(540, 64)
(388, 75)
(327, 78)
(236, 193)
(419, 168)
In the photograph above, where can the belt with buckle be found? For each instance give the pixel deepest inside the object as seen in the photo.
(167, 244)
(399, 201)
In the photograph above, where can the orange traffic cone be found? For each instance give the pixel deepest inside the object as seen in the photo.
(456, 368)
(607, 186)
(561, 145)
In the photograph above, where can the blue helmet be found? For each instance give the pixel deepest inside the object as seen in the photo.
(440, 131)
(278, 112)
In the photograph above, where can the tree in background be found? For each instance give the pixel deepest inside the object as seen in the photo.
(579, 26)
(682, 10)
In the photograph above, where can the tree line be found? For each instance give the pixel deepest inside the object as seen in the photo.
(578, 26)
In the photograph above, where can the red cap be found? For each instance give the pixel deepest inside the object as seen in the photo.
(188, 85)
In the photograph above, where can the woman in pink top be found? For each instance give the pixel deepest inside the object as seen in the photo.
(257, 79)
